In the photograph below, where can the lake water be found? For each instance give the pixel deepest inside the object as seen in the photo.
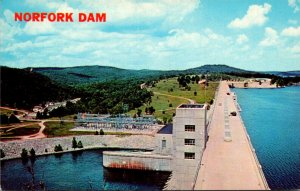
(272, 119)
(77, 172)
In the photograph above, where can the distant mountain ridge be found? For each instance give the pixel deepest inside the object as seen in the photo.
(285, 74)
(90, 74)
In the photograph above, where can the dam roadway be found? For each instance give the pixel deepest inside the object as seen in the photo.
(229, 161)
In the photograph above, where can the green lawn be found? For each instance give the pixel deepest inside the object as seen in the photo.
(5, 112)
(164, 86)
(22, 131)
(67, 117)
(161, 102)
(56, 129)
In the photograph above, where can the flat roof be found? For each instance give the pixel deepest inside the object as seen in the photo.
(167, 129)
(191, 106)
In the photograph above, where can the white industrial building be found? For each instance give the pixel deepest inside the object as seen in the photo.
(179, 148)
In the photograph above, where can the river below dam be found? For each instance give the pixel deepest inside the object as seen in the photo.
(77, 171)
(271, 117)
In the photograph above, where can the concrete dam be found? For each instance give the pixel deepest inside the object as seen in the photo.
(201, 154)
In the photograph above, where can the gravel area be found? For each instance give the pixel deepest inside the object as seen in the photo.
(12, 149)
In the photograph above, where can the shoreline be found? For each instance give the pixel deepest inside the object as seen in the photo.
(80, 150)
(13, 149)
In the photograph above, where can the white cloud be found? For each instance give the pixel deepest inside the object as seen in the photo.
(9, 28)
(241, 39)
(38, 28)
(291, 31)
(293, 22)
(294, 4)
(120, 10)
(256, 16)
(295, 49)
(271, 37)
(126, 12)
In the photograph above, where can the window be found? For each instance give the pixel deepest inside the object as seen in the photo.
(189, 155)
(189, 127)
(163, 144)
(189, 141)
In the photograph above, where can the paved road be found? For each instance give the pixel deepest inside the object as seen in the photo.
(229, 165)
(12, 109)
(190, 100)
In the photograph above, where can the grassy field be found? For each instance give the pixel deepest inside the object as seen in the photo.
(67, 117)
(56, 129)
(5, 112)
(170, 87)
(164, 106)
(164, 86)
(22, 131)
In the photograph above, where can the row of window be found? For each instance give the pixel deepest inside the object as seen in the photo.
(189, 141)
(189, 128)
(188, 155)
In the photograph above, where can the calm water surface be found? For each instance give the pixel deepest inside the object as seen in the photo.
(272, 119)
(78, 172)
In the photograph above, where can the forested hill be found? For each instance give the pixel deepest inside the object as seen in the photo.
(91, 74)
(23, 89)
(216, 69)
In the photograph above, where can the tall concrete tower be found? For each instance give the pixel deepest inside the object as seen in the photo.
(189, 139)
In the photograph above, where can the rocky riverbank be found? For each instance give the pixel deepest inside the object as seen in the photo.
(12, 149)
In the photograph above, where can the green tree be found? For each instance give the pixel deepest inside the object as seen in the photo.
(3, 119)
(13, 119)
(32, 153)
(45, 113)
(151, 110)
(58, 148)
(101, 132)
(74, 143)
(2, 154)
(79, 145)
(197, 79)
(139, 112)
(165, 120)
(24, 154)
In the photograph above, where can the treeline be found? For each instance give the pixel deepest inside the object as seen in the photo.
(110, 97)
(252, 75)
(4, 119)
(24, 89)
(287, 81)
(280, 81)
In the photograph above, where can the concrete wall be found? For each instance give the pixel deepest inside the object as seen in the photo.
(252, 84)
(168, 150)
(184, 170)
(137, 161)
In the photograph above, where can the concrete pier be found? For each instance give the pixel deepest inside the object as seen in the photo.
(229, 161)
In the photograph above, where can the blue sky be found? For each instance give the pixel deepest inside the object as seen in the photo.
(163, 34)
